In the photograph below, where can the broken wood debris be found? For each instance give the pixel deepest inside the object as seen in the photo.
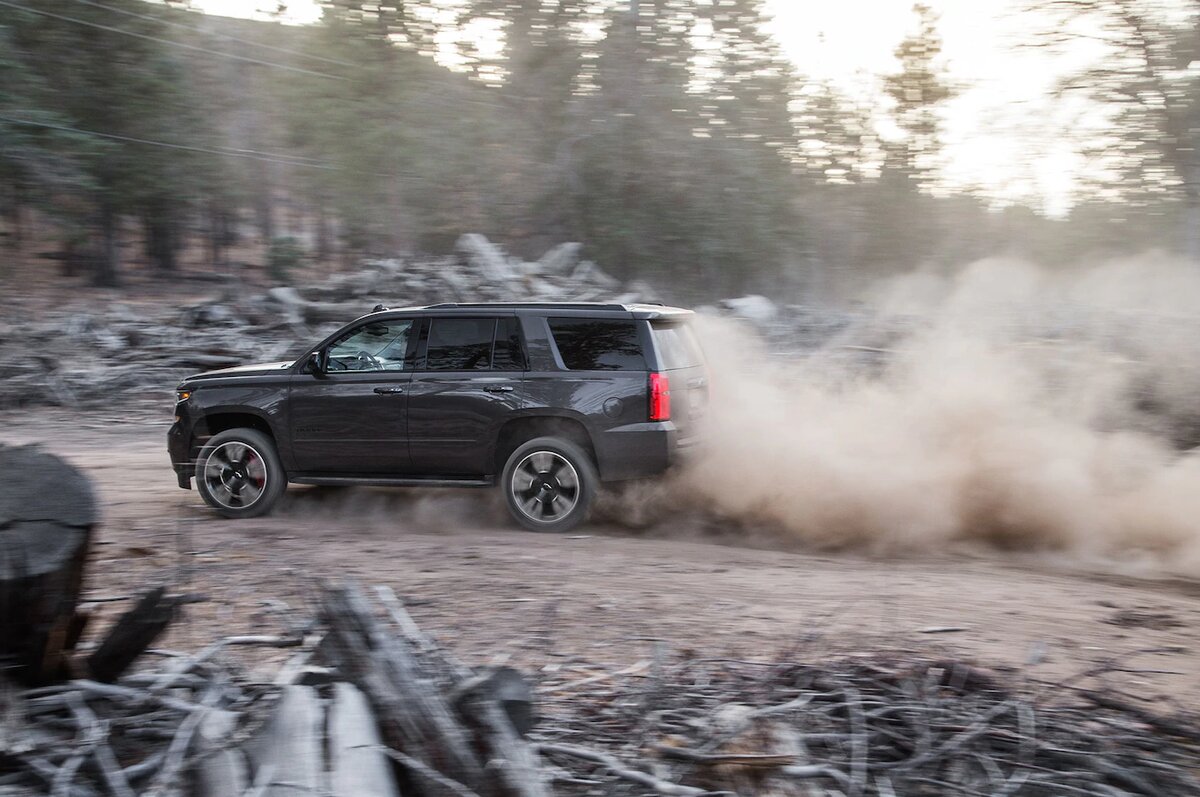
(882, 727)
(372, 706)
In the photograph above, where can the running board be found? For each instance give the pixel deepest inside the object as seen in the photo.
(386, 481)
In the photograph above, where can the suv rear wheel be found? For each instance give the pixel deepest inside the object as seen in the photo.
(549, 484)
(239, 474)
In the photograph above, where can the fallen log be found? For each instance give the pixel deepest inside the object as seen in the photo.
(287, 756)
(222, 770)
(47, 514)
(358, 766)
(133, 632)
(414, 717)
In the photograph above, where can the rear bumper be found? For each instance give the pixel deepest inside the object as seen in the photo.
(641, 449)
(179, 443)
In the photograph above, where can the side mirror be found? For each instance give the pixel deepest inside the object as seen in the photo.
(314, 364)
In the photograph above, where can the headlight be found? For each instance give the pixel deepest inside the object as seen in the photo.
(183, 395)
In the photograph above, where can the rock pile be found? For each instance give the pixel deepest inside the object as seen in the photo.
(88, 357)
(97, 354)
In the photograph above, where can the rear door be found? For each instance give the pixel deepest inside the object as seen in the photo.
(678, 355)
(468, 382)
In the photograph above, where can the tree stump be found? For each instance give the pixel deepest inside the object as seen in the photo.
(47, 513)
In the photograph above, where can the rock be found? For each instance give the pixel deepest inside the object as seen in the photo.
(292, 302)
(643, 290)
(109, 341)
(753, 307)
(589, 274)
(485, 257)
(289, 297)
(391, 267)
(362, 283)
(561, 259)
(136, 347)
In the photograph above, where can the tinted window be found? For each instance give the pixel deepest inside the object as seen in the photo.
(677, 346)
(460, 344)
(596, 345)
(507, 354)
(377, 346)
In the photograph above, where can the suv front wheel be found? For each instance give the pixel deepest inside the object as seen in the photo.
(549, 484)
(239, 474)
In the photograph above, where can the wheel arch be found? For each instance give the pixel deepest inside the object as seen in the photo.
(213, 423)
(234, 418)
(517, 431)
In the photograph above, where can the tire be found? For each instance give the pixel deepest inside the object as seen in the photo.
(563, 499)
(238, 473)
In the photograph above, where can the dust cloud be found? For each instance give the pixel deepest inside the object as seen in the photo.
(1005, 405)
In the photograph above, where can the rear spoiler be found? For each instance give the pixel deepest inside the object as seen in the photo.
(646, 312)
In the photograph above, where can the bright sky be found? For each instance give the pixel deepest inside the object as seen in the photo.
(1004, 130)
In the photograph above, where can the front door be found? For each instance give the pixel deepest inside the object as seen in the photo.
(352, 418)
(467, 384)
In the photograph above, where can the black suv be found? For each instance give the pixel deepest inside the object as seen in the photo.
(547, 399)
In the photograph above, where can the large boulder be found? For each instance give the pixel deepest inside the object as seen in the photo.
(755, 308)
(560, 260)
(485, 257)
(588, 274)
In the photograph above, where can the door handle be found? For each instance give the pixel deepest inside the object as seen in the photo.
(384, 391)
(499, 389)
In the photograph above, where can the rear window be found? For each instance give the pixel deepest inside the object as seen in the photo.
(589, 344)
(677, 346)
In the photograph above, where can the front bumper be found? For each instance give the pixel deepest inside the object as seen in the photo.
(179, 445)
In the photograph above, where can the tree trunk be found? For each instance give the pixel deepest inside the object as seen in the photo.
(322, 231)
(161, 239)
(216, 235)
(47, 513)
(265, 204)
(1191, 224)
(107, 263)
(13, 210)
(70, 257)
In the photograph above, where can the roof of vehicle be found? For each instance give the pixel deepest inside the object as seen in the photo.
(640, 311)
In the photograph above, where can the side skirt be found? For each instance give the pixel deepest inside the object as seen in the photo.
(384, 481)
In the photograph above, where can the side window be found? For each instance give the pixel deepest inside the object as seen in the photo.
(375, 346)
(460, 344)
(507, 354)
(587, 344)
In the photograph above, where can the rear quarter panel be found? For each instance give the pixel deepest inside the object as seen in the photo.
(612, 405)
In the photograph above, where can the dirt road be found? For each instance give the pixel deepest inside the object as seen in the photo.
(603, 595)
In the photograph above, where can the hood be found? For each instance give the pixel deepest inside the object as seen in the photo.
(263, 369)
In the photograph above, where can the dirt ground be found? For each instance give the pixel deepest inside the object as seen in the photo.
(604, 595)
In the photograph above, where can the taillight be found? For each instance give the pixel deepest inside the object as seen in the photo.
(660, 397)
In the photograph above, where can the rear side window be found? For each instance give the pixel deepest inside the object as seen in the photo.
(677, 346)
(588, 344)
(474, 344)
(460, 344)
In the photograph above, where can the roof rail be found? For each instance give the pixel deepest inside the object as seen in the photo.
(533, 305)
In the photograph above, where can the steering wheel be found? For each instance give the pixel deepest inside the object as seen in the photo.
(368, 360)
